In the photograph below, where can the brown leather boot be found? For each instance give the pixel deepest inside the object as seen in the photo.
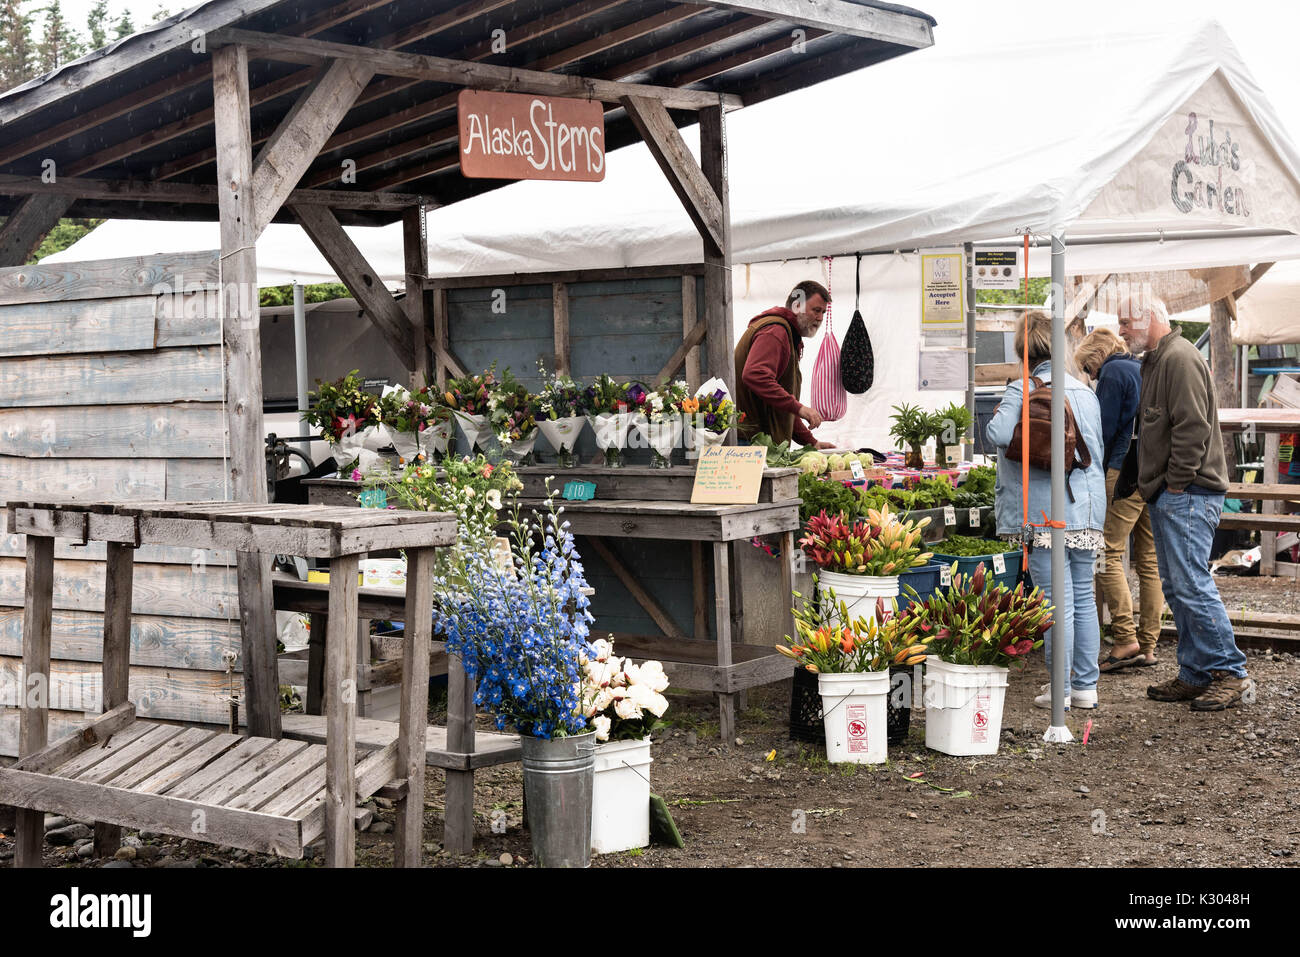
(1225, 691)
(1175, 689)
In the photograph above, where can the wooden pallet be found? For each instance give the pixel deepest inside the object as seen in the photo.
(257, 794)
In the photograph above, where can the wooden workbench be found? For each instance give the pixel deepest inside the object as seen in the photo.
(644, 503)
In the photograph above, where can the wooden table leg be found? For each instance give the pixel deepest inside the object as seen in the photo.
(787, 581)
(34, 716)
(1268, 540)
(413, 720)
(738, 607)
(341, 714)
(699, 592)
(722, 620)
(458, 829)
(116, 669)
(320, 623)
(363, 666)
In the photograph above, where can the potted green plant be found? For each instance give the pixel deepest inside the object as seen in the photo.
(851, 658)
(912, 427)
(862, 559)
(624, 703)
(950, 426)
(978, 633)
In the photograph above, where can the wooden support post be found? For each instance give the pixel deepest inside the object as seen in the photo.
(28, 224)
(1223, 371)
(560, 311)
(699, 592)
(413, 716)
(738, 608)
(116, 668)
(722, 624)
(441, 335)
(242, 350)
(1268, 540)
(34, 703)
(363, 667)
(787, 580)
(717, 258)
(458, 823)
(693, 378)
(316, 702)
(415, 248)
(341, 714)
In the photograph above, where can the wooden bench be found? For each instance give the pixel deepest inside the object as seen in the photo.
(255, 793)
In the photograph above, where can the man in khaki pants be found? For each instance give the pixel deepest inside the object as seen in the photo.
(1104, 357)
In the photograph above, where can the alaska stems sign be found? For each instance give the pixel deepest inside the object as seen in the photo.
(513, 136)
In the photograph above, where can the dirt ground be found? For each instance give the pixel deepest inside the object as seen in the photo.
(1156, 785)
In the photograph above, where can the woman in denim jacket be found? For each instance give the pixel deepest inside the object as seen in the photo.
(1076, 624)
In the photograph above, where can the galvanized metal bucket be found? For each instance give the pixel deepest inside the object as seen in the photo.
(558, 779)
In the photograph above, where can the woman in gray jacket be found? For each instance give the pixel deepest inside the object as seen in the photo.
(1076, 632)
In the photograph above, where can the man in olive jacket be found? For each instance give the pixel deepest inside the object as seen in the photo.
(1182, 474)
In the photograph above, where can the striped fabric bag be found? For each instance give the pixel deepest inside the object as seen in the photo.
(828, 396)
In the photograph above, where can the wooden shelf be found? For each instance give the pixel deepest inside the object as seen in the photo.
(490, 748)
(693, 664)
(257, 794)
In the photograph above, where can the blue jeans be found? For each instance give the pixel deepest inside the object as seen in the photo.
(1183, 527)
(1075, 618)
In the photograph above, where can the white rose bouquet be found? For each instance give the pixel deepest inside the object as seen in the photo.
(621, 700)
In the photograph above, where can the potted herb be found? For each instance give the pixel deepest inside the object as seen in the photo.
(469, 399)
(610, 407)
(979, 633)
(709, 415)
(561, 414)
(659, 423)
(966, 552)
(862, 560)
(418, 422)
(624, 703)
(912, 427)
(512, 411)
(951, 426)
(851, 658)
(348, 418)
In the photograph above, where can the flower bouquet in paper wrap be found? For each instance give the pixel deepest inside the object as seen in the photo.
(349, 419)
(512, 411)
(610, 409)
(623, 701)
(659, 423)
(561, 414)
(709, 415)
(468, 398)
(417, 422)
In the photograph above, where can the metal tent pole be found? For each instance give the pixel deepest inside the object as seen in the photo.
(1060, 664)
(969, 250)
(300, 343)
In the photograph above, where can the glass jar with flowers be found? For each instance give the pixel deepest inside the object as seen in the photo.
(659, 423)
(624, 702)
(513, 411)
(348, 418)
(468, 398)
(561, 414)
(610, 408)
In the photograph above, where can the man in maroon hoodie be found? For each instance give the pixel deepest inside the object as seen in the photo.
(767, 368)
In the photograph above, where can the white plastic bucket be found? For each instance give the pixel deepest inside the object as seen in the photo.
(859, 592)
(963, 707)
(855, 712)
(384, 573)
(620, 806)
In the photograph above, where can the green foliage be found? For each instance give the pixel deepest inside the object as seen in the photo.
(59, 44)
(97, 24)
(966, 546)
(912, 424)
(67, 232)
(1192, 331)
(835, 498)
(1016, 297)
(316, 292)
(978, 489)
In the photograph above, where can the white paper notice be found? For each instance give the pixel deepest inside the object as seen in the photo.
(942, 369)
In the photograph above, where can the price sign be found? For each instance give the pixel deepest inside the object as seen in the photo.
(974, 518)
(999, 564)
(728, 475)
(373, 498)
(856, 468)
(949, 515)
(945, 575)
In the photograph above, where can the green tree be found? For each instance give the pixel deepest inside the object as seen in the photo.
(162, 13)
(97, 24)
(1014, 297)
(317, 292)
(59, 43)
(16, 54)
(124, 26)
(64, 235)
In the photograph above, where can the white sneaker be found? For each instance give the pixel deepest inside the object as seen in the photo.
(1044, 700)
(1084, 699)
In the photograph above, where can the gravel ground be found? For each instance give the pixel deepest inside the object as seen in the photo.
(1156, 785)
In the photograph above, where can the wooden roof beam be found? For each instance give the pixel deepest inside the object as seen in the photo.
(78, 188)
(475, 76)
(685, 48)
(296, 141)
(350, 266)
(840, 16)
(27, 225)
(777, 47)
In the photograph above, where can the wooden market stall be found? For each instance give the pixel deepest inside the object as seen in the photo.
(140, 379)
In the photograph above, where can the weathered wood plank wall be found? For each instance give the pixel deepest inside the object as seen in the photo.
(110, 388)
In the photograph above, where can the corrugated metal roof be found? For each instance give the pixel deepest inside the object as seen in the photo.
(140, 109)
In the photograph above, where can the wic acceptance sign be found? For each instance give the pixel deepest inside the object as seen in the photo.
(514, 136)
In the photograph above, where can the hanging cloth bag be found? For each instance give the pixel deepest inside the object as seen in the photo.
(857, 361)
(828, 396)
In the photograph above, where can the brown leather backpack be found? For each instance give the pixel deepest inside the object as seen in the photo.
(1077, 455)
